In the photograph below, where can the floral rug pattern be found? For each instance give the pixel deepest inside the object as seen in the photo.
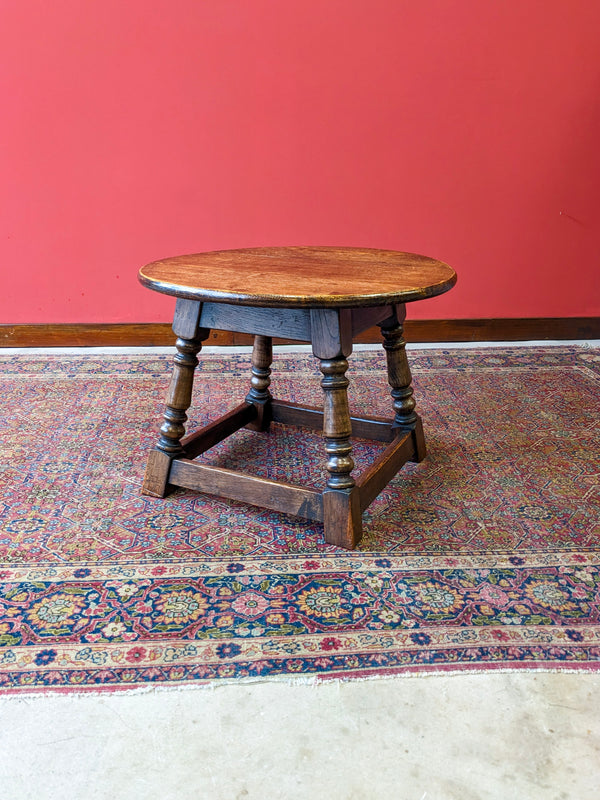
(484, 556)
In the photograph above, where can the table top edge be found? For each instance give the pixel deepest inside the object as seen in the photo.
(192, 276)
(298, 301)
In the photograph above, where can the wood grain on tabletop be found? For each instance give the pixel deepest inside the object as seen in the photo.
(319, 277)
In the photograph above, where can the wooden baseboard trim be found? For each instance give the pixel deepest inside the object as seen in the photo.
(432, 330)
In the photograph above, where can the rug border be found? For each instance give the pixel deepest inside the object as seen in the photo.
(422, 672)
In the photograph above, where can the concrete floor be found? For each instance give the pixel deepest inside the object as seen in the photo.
(517, 736)
(494, 736)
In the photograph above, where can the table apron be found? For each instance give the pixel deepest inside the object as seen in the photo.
(285, 323)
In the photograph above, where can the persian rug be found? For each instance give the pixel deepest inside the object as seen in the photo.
(485, 556)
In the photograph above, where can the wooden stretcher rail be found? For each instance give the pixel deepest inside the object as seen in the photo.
(199, 442)
(377, 428)
(376, 477)
(283, 497)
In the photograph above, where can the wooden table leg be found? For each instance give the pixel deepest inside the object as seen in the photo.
(259, 394)
(400, 379)
(179, 397)
(341, 503)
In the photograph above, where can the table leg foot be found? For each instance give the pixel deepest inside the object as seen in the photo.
(156, 478)
(419, 440)
(342, 518)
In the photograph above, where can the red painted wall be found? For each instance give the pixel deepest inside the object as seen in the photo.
(462, 129)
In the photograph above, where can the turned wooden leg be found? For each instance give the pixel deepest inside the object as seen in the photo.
(341, 502)
(336, 424)
(400, 379)
(179, 398)
(259, 394)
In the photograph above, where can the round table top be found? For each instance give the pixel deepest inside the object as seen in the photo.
(313, 277)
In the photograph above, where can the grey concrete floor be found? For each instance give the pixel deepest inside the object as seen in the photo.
(514, 736)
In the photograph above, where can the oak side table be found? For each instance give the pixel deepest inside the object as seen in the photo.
(322, 295)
